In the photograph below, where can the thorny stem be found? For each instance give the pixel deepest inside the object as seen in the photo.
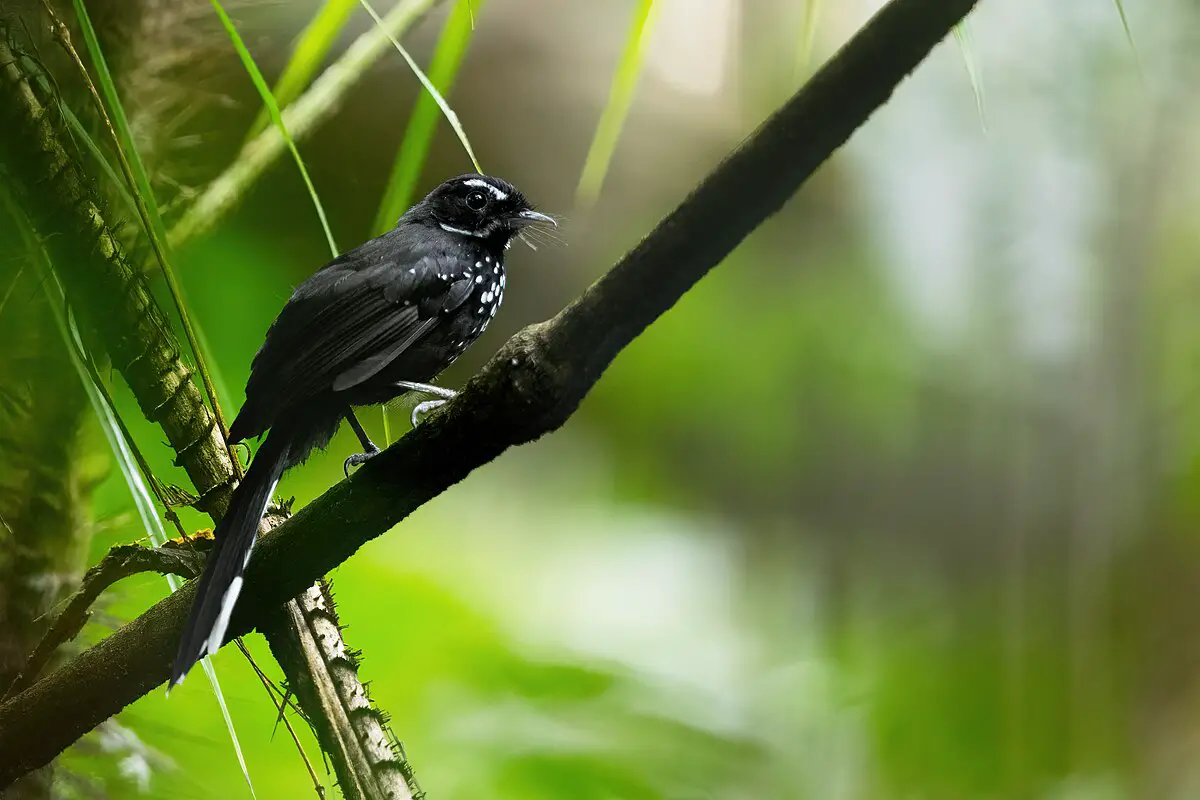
(45, 276)
(63, 35)
(147, 473)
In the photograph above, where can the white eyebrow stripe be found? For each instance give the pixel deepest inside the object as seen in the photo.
(452, 229)
(485, 185)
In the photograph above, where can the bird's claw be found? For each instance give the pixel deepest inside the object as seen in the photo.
(358, 459)
(424, 408)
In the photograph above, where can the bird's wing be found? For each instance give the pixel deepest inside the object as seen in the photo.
(344, 324)
(425, 315)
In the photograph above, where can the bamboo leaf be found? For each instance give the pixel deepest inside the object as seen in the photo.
(1128, 33)
(313, 44)
(612, 120)
(272, 107)
(422, 123)
(808, 35)
(414, 147)
(963, 36)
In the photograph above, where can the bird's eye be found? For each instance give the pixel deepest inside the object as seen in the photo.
(476, 201)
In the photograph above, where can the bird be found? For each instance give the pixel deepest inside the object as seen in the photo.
(378, 321)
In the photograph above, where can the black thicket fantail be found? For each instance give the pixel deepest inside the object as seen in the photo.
(376, 322)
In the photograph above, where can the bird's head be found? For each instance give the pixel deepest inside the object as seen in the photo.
(480, 206)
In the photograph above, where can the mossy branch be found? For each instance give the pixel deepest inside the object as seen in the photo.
(110, 297)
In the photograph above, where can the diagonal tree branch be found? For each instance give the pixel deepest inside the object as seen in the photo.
(530, 388)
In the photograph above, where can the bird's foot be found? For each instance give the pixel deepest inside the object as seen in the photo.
(420, 409)
(443, 394)
(358, 459)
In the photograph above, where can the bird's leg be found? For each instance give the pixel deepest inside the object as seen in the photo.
(370, 450)
(443, 394)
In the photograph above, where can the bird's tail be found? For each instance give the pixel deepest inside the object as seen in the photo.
(217, 591)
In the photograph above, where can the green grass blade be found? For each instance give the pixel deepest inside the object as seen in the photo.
(94, 150)
(447, 58)
(612, 120)
(133, 467)
(808, 35)
(114, 431)
(316, 106)
(1128, 34)
(272, 107)
(963, 36)
(313, 44)
(78, 130)
(138, 179)
(414, 147)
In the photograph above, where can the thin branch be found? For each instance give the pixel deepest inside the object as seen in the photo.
(370, 767)
(120, 562)
(280, 708)
(528, 389)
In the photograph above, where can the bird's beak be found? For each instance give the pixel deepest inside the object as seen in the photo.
(530, 217)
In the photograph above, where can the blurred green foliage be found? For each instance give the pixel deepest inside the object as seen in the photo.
(805, 539)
